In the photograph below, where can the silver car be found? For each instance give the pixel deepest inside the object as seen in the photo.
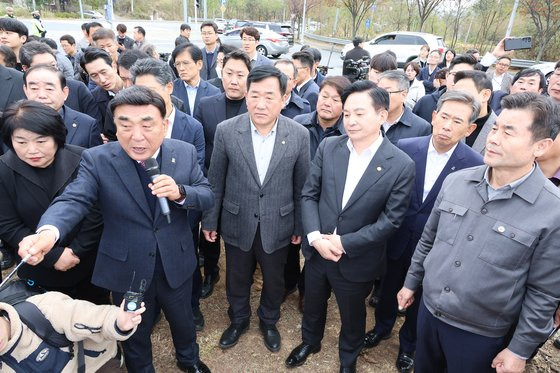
(271, 43)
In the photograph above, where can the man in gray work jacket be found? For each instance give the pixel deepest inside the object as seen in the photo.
(489, 255)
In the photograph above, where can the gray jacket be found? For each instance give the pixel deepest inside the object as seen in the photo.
(241, 201)
(486, 265)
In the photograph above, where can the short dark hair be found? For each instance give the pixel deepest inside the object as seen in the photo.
(34, 117)
(468, 59)
(357, 41)
(441, 73)
(10, 59)
(211, 24)
(91, 54)
(103, 33)
(316, 53)
(160, 70)
(138, 96)
(185, 26)
(121, 28)
(226, 49)
(472, 51)
(130, 56)
(414, 66)
(504, 58)
(250, 31)
(31, 49)
(239, 55)
(557, 66)
(546, 113)
(339, 83)
(51, 43)
(305, 58)
(59, 74)
(379, 96)
(13, 25)
(263, 72)
(531, 72)
(286, 61)
(141, 30)
(69, 38)
(84, 26)
(450, 50)
(194, 51)
(89, 25)
(479, 78)
(383, 61)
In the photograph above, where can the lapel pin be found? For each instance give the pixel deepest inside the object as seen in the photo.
(283, 142)
(379, 168)
(172, 160)
(453, 168)
(74, 125)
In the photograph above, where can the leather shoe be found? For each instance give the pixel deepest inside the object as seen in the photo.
(373, 338)
(231, 335)
(405, 362)
(350, 369)
(208, 284)
(8, 258)
(271, 336)
(199, 367)
(299, 355)
(557, 343)
(198, 319)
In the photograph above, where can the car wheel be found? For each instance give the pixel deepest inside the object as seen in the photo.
(261, 49)
(275, 55)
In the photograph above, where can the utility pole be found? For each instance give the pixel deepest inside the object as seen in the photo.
(206, 9)
(185, 11)
(512, 18)
(302, 31)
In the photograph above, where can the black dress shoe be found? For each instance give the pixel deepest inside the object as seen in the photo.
(373, 300)
(271, 337)
(557, 343)
(299, 355)
(198, 319)
(231, 335)
(350, 369)
(8, 258)
(199, 367)
(405, 362)
(208, 285)
(373, 338)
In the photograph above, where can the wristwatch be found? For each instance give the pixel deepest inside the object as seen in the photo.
(182, 193)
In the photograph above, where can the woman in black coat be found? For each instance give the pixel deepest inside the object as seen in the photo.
(35, 170)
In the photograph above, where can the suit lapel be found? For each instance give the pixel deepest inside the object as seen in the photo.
(420, 159)
(65, 164)
(126, 171)
(339, 159)
(220, 109)
(7, 85)
(70, 123)
(480, 142)
(281, 143)
(200, 92)
(178, 125)
(377, 167)
(245, 143)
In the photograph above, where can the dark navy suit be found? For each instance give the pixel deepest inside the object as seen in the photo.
(11, 82)
(188, 129)
(81, 99)
(82, 129)
(137, 238)
(102, 99)
(310, 92)
(296, 106)
(205, 89)
(401, 245)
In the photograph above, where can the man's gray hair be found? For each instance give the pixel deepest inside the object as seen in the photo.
(289, 62)
(150, 66)
(463, 97)
(397, 76)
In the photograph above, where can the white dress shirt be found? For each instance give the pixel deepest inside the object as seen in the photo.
(357, 165)
(191, 94)
(435, 162)
(302, 84)
(497, 81)
(263, 146)
(171, 119)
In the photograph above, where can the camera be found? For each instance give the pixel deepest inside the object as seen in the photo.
(356, 70)
(132, 301)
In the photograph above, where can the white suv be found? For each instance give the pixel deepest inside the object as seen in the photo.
(405, 44)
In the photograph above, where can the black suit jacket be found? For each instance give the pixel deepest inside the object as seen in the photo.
(373, 213)
(310, 92)
(82, 129)
(188, 129)
(212, 112)
(81, 99)
(296, 106)
(102, 98)
(11, 82)
(24, 198)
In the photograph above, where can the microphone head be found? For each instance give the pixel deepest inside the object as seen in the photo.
(151, 166)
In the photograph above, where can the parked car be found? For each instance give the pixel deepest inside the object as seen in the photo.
(221, 23)
(288, 32)
(93, 14)
(271, 43)
(404, 44)
(240, 24)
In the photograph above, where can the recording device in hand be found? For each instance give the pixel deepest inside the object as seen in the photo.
(133, 300)
(357, 70)
(524, 42)
(152, 169)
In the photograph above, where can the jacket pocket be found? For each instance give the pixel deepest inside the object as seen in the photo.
(231, 207)
(285, 210)
(506, 246)
(450, 219)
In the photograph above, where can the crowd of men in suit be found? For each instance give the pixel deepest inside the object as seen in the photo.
(432, 205)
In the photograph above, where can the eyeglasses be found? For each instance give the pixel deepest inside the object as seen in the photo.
(503, 64)
(180, 64)
(389, 92)
(248, 39)
(207, 33)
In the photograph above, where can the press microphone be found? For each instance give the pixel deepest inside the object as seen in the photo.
(152, 169)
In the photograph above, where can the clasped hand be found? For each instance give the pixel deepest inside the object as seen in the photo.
(329, 247)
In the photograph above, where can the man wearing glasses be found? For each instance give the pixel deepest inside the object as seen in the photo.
(501, 79)
(401, 122)
(209, 32)
(250, 37)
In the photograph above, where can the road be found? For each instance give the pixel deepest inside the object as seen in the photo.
(162, 34)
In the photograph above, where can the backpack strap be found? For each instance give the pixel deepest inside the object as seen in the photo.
(81, 358)
(31, 316)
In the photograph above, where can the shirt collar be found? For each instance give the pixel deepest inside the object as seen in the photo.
(557, 174)
(370, 150)
(511, 185)
(302, 84)
(432, 149)
(255, 131)
(171, 116)
(187, 86)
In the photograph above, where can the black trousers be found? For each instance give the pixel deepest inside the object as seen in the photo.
(386, 310)
(194, 221)
(240, 267)
(211, 253)
(322, 276)
(176, 307)
(293, 275)
(445, 348)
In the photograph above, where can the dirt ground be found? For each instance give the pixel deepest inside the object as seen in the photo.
(250, 354)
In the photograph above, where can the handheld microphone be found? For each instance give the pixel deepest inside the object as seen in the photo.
(152, 169)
